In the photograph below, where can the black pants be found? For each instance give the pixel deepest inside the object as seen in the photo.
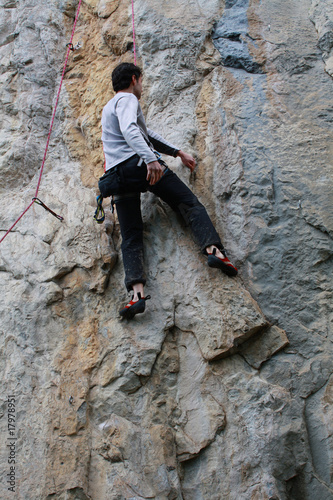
(178, 196)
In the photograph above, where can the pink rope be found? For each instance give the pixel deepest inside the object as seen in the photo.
(133, 26)
(52, 121)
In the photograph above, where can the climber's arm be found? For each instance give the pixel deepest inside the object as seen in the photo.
(161, 145)
(165, 147)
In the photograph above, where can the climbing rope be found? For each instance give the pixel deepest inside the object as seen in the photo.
(35, 199)
(133, 27)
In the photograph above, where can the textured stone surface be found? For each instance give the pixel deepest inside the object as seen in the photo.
(321, 13)
(232, 39)
(264, 346)
(223, 388)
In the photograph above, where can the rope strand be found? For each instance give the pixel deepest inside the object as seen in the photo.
(133, 27)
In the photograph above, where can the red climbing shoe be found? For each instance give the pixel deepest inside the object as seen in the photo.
(223, 264)
(134, 307)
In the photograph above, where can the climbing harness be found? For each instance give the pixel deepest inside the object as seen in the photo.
(160, 161)
(35, 199)
(99, 212)
(112, 184)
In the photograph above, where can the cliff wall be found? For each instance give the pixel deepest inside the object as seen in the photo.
(223, 389)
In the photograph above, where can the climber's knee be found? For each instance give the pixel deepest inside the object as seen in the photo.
(191, 211)
(125, 197)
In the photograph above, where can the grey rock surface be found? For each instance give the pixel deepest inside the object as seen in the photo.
(231, 37)
(223, 388)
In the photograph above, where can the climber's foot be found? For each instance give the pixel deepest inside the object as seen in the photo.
(218, 259)
(136, 306)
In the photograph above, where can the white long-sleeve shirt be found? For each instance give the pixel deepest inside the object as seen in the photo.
(124, 132)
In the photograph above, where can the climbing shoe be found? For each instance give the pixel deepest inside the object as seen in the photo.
(223, 264)
(134, 307)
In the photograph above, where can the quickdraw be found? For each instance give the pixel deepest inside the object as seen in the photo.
(73, 47)
(39, 202)
(99, 213)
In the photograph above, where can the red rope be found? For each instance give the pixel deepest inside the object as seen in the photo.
(133, 26)
(70, 47)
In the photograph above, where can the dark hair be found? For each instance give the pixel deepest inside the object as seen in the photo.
(122, 75)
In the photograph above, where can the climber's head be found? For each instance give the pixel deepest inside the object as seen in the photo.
(125, 76)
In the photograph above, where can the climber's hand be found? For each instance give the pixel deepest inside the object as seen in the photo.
(154, 172)
(187, 160)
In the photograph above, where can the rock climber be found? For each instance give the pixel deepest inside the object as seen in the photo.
(133, 165)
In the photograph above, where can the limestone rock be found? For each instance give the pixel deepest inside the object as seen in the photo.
(231, 38)
(225, 316)
(200, 397)
(319, 423)
(264, 346)
(202, 415)
(107, 7)
(321, 14)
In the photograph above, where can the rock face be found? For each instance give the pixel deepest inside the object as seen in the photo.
(223, 388)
